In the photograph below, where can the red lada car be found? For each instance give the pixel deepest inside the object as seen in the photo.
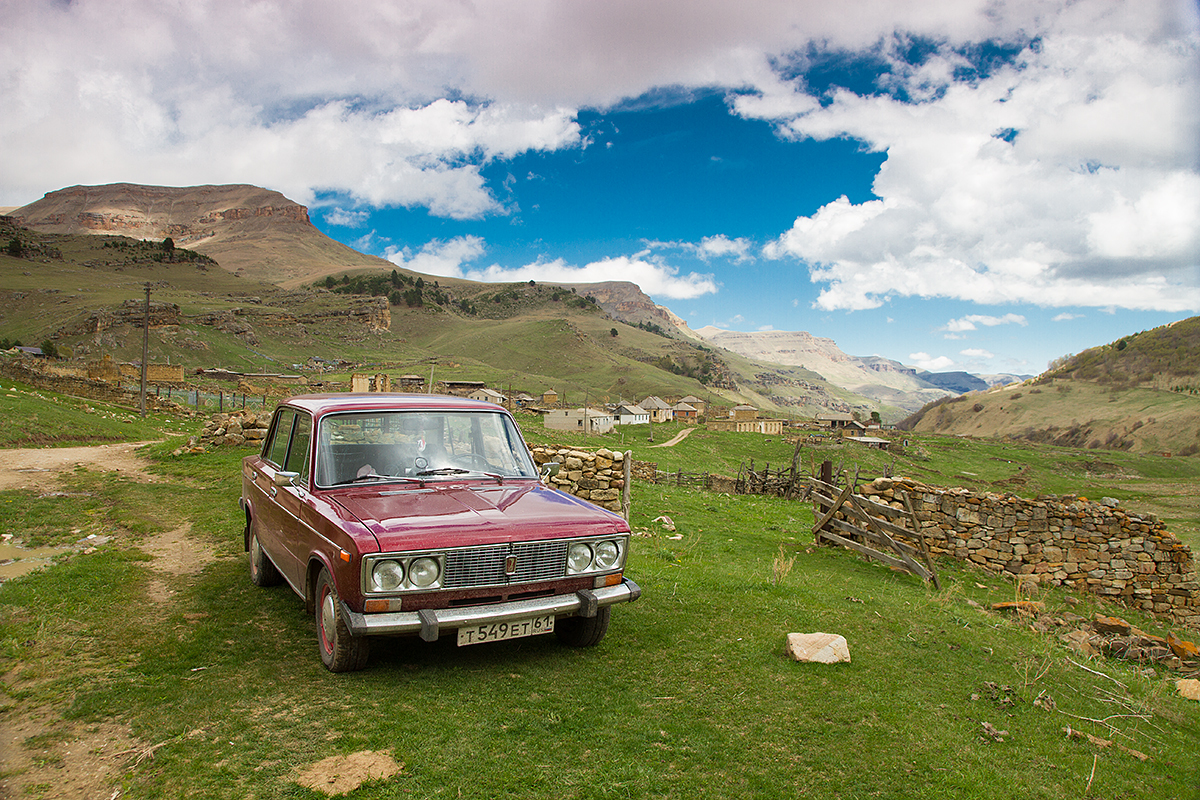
(394, 514)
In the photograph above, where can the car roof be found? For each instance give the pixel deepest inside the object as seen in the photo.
(319, 404)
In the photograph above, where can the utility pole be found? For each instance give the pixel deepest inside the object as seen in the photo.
(145, 349)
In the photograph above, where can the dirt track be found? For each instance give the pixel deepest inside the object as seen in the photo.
(37, 469)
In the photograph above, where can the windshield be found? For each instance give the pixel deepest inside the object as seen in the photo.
(418, 446)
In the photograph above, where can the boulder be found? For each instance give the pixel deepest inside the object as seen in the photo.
(1189, 688)
(821, 648)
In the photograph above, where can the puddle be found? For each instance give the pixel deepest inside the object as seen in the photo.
(16, 561)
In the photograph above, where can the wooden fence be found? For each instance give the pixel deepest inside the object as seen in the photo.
(870, 528)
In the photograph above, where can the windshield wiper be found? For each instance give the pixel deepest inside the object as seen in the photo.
(445, 471)
(373, 476)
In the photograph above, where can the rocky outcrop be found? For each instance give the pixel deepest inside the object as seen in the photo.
(248, 230)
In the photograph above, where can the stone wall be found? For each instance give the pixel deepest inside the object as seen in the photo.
(1064, 541)
(598, 477)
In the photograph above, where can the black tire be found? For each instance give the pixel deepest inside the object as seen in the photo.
(262, 571)
(583, 631)
(340, 651)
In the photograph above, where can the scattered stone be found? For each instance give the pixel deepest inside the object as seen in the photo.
(1111, 625)
(666, 521)
(1189, 688)
(1186, 650)
(820, 648)
(1083, 642)
(1110, 502)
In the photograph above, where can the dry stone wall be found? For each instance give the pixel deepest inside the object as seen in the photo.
(598, 476)
(1065, 541)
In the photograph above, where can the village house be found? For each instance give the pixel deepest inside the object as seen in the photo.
(657, 408)
(525, 400)
(488, 396)
(461, 388)
(411, 383)
(550, 398)
(744, 419)
(588, 420)
(834, 419)
(684, 412)
(695, 402)
(632, 414)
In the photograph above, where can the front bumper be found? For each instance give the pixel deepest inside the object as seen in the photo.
(429, 622)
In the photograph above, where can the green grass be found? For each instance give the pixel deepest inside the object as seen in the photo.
(690, 694)
(37, 418)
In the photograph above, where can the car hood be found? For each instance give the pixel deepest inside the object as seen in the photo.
(463, 514)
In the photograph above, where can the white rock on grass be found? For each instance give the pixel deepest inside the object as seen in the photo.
(822, 648)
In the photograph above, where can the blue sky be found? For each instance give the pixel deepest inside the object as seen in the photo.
(952, 184)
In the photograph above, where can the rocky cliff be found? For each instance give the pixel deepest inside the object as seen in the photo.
(880, 379)
(250, 231)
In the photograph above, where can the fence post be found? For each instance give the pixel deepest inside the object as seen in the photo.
(627, 475)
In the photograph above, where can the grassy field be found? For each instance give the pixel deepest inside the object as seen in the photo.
(218, 686)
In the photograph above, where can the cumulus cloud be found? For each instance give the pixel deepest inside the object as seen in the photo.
(1067, 176)
(976, 352)
(930, 363)
(1066, 317)
(452, 258)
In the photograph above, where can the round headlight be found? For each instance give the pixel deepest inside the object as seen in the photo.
(387, 576)
(579, 557)
(607, 555)
(423, 572)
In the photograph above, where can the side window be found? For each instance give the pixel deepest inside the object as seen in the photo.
(297, 459)
(276, 450)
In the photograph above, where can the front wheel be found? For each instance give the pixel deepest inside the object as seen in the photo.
(583, 631)
(340, 651)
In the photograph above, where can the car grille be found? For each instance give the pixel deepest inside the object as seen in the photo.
(484, 566)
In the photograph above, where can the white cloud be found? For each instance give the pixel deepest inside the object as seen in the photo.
(976, 352)
(450, 259)
(347, 219)
(930, 363)
(1067, 316)
(710, 247)
(971, 321)
(1090, 198)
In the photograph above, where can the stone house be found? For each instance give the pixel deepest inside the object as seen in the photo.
(587, 420)
(834, 419)
(550, 398)
(744, 419)
(701, 406)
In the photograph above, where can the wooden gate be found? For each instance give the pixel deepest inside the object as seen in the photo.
(871, 528)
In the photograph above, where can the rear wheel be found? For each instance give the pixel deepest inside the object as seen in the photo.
(262, 571)
(340, 651)
(583, 631)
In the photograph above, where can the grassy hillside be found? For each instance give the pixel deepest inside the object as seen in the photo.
(1167, 357)
(1140, 393)
(85, 293)
(1072, 413)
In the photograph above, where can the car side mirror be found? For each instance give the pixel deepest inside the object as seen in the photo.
(285, 478)
(550, 469)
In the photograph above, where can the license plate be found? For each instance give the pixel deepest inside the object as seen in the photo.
(499, 631)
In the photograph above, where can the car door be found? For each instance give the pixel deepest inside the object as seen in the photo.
(278, 514)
